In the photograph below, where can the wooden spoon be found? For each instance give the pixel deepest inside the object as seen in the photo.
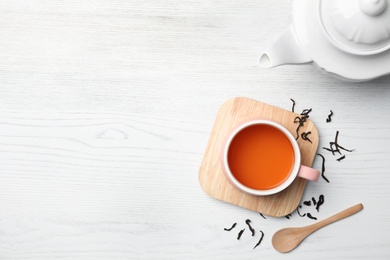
(287, 239)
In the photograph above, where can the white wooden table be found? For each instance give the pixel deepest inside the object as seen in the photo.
(106, 110)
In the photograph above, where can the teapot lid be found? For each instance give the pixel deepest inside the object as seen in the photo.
(359, 27)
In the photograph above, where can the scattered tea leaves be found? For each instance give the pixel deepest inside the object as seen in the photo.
(323, 168)
(300, 120)
(261, 238)
(304, 136)
(321, 201)
(229, 229)
(240, 233)
(299, 213)
(310, 216)
(329, 119)
(293, 105)
(248, 222)
(334, 146)
(306, 112)
(341, 158)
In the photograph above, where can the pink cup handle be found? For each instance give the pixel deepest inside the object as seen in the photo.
(309, 173)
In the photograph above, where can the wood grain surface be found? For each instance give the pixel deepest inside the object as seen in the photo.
(211, 176)
(106, 109)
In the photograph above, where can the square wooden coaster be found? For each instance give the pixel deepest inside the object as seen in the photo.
(211, 176)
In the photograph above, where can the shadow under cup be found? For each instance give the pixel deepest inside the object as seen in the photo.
(262, 157)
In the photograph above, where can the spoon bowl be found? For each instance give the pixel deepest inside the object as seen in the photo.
(287, 239)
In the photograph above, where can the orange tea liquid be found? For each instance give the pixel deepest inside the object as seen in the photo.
(261, 157)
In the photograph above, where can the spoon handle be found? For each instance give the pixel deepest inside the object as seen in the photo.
(343, 214)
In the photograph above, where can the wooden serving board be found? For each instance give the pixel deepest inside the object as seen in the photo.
(211, 176)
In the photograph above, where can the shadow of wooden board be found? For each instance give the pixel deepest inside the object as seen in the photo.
(212, 178)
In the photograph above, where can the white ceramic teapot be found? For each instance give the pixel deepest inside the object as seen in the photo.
(348, 38)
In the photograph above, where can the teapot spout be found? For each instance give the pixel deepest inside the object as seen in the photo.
(286, 50)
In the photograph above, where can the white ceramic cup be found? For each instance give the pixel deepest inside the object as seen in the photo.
(297, 170)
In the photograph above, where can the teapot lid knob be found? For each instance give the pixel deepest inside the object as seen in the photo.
(372, 7)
